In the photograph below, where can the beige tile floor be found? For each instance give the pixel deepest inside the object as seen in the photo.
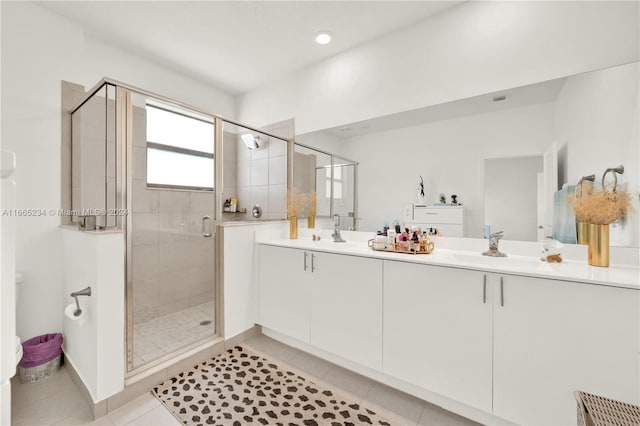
(400, 408)
(56, 401)
(158, 337)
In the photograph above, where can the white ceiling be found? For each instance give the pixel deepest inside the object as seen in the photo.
(240, 45)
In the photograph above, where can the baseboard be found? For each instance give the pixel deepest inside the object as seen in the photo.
(433, 398)
(98, 409)
(136, 386)
(238, 339)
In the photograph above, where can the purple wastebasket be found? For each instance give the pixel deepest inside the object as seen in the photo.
(41, 357)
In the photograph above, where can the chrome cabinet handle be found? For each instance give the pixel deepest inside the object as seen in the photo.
(204, 221)
(484, 289)
(501, 291)
(305, 260)
(313, 263)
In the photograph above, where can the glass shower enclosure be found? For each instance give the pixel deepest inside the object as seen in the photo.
(152, 167)
(145, 165)
(171, 249)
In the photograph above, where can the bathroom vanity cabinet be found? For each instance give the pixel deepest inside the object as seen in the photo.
(510, 345)
(437, 330)
(529, 342)
(284, 291)
(551, 338)
(331, 301)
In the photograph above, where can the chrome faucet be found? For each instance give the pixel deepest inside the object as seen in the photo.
(493, 245)
(337, 238)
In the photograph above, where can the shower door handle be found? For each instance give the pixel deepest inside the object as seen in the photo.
(204, 221)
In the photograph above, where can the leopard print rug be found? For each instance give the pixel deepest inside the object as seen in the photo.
(241, 388)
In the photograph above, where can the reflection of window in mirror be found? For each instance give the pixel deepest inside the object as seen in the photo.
(337, 183)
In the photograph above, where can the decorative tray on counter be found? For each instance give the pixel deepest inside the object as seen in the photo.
(407, 247)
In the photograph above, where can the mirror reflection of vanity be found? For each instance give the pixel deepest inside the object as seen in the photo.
(502, 153)
(333, 181)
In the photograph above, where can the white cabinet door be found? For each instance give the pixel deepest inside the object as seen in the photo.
(552, 338)
(437, 330)
(346, 307)
(284, 291)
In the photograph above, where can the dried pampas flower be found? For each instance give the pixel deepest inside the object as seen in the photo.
(312, 203)
(295, 203)
(601, 207)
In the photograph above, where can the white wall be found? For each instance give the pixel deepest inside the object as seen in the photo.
(96, 347)
(598, 118)
(39, 49)
(474, 48)
(321, 140)
(448, 154)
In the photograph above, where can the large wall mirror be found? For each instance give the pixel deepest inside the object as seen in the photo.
(503, 153)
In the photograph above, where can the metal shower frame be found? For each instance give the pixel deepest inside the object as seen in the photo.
(124, 197)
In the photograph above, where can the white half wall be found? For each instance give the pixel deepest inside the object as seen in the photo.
(475, 48)
(39, 49)
(240, 272)
(96, 347)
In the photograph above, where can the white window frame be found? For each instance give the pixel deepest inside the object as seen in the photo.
(178, 150)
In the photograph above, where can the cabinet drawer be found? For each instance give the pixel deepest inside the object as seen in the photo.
(438, 215)
(444, 229)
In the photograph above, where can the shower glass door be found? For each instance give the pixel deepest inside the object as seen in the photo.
(344, 192)
(170, 231)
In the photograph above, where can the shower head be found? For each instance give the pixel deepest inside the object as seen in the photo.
(252, 142)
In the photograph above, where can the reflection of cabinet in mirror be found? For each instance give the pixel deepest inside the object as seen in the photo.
(447, 220)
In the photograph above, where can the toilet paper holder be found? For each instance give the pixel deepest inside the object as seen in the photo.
(75, 294)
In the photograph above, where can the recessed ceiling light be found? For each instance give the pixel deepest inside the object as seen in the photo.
(323, 37)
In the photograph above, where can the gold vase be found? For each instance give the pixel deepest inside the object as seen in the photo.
(598, 245)
(583, 233)
(311, 222)
(293, 227)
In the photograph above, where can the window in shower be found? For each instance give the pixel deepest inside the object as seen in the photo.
(179, 150)
(337, 183)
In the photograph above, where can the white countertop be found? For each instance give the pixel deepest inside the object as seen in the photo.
(569, 270)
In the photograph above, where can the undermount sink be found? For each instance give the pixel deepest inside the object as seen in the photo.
(506, 262)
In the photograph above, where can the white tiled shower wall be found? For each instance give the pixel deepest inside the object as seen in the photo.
(173, 265)
(257, 176)
(262, 177)
(93, 156)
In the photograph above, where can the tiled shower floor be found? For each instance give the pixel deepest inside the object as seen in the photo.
(161, 336)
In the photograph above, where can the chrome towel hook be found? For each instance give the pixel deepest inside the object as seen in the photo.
(616, 171)
(590, 178)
